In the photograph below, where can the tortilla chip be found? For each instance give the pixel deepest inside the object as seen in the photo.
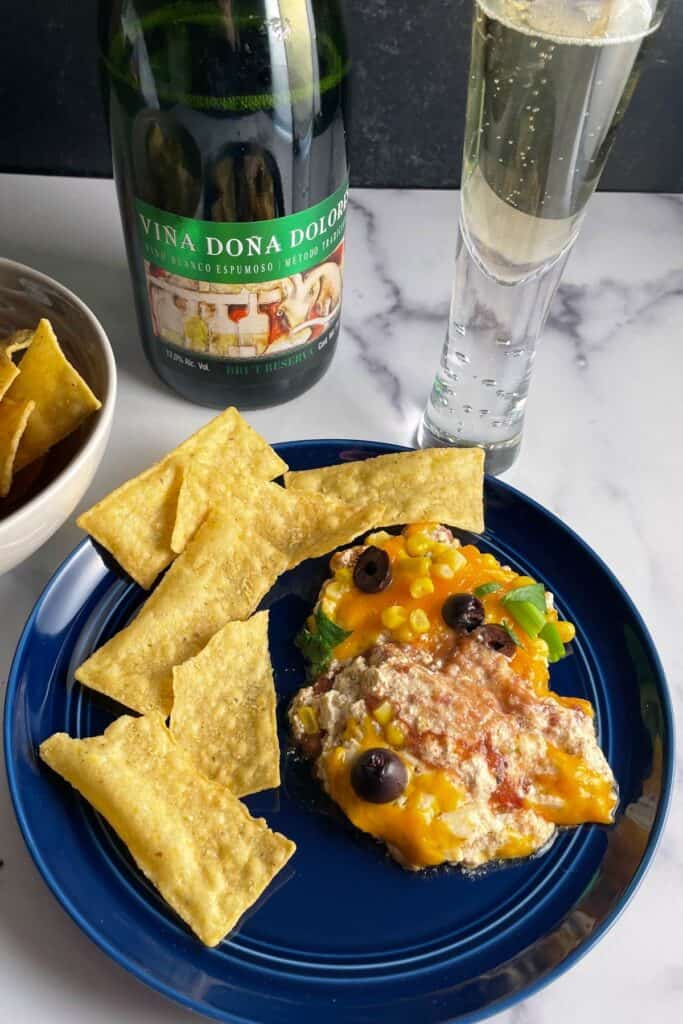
(199, 480)
(224, 708)
(13, 419)
(300, 525)
(307, 525)
(209, 480)
(226, 569)
(62, 398)
(8, 346)
(222, 575)
(443, 485)
(226, 448)
(135, 522)
(190, 837)
(17, 341)
(8, 373)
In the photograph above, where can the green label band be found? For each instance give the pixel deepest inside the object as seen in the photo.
(265, 250)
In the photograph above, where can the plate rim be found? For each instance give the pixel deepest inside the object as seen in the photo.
(504, 1002)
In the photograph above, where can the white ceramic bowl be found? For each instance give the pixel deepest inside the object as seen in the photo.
(25, 296)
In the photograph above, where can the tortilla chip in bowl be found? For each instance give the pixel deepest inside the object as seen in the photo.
(61, 407)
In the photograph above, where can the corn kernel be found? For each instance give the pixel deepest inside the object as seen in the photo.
(378, 538)
(353, 730)
(421, 586)
(404, 635)
(541, 647)
(439, 548)
(394, 616)
(333, 591)
(414, 566)
(394, 734)
(419, 621)
(489, 561)
(343, 574)
(308, 719)
(421, 527)
(418, 545)
(524, 581)
(424, 529)
(442, 571)
(384, 713)
(566, 631)
(454, 558)
(457, 560)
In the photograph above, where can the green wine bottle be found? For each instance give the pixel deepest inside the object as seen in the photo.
(228, 124)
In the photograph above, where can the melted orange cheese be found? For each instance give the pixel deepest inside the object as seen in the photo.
(361, 613)
(569, 792)
(411, 825)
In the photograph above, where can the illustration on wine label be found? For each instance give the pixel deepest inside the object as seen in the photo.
(246, 321)
(242, 292)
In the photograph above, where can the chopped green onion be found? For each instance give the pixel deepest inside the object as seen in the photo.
(511, 633)
(533, 594)
(486, 588)
(551, 635)
(526, 615)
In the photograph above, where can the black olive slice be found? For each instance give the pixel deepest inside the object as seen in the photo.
(497, 638)
(463, 612)
(372, 571)
(378, 775)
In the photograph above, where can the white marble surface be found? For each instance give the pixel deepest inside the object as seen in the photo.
(602, 449)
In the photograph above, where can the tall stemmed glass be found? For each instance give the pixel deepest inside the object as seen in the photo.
(549, 83)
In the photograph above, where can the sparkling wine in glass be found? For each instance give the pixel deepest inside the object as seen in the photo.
(549, 83)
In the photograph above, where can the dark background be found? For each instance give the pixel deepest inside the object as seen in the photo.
(408, 101)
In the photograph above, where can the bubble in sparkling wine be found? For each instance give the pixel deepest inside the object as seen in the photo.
(525, 184)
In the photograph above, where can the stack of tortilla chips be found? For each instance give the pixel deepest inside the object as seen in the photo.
(43, 399)
(211, 515)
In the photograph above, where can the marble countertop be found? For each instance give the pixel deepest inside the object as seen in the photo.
(601, 449)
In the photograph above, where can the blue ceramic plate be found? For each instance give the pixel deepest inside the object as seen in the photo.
(344, 935)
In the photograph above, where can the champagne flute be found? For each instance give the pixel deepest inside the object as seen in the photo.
(549, 83)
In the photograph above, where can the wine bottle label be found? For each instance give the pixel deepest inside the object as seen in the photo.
(243, 298)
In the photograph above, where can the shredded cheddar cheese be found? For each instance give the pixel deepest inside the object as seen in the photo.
(435, 818)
